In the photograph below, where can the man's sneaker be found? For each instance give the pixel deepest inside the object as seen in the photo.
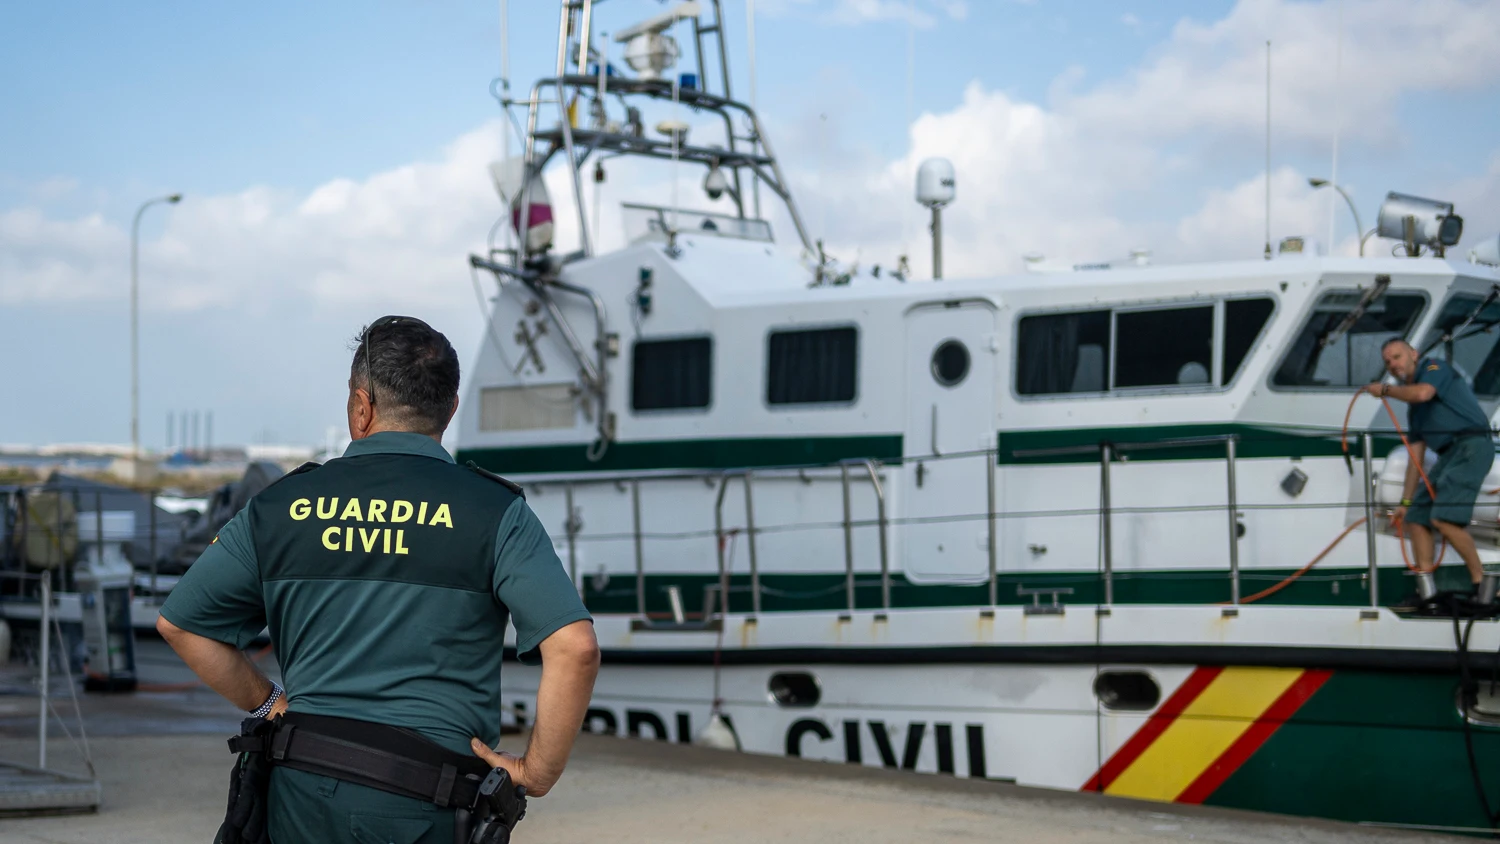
(1408, 605)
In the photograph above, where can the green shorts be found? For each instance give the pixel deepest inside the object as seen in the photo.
(1457, 477)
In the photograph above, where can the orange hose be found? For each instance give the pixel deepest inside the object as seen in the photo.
(1305, 569)
(1411, 456)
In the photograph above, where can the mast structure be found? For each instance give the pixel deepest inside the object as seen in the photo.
(749, 151)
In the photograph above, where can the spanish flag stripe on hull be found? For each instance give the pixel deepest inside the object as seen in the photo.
(1157, 724)
(1215, 721)
(1230, 761)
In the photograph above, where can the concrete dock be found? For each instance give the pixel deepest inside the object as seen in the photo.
(161, 760)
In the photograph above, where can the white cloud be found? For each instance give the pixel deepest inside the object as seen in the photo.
(1211, 77)
(1068, 178)
(399, 235)
(923, 14)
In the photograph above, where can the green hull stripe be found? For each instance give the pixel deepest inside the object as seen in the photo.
(1370, 747)
(1015, 447)
(685, 454)
(1252, 441)
(826, 592)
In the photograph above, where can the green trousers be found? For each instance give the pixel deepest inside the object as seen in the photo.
(310, 809)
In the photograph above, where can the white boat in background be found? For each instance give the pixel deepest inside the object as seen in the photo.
(1086, 529)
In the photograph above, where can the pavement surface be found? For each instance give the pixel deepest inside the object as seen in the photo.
(161, 760)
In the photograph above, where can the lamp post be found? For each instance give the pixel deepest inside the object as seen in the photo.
(135, 342)
(1359, 228)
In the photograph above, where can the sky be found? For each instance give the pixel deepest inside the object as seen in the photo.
(333, 161)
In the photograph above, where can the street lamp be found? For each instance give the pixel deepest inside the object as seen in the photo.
(1359, 228)
(135, 343)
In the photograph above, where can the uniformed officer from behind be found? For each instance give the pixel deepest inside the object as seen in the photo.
(386, 578)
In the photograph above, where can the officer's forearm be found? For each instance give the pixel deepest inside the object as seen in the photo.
(1411, 393)
(223, 668)
(570, 662)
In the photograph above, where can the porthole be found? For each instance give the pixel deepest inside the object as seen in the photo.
(795, 689)
(950, 363)
(1127, 691)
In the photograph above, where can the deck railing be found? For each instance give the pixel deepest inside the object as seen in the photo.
(858, 471)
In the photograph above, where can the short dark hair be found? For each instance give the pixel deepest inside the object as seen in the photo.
(414, 369)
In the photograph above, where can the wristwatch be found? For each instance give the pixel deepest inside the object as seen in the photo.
(264, 709)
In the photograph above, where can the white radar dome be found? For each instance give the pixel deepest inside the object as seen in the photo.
(935, 182)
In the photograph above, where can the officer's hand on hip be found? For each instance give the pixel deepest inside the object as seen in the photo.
(513, 765)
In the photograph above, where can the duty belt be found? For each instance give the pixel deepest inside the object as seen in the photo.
(392, 759)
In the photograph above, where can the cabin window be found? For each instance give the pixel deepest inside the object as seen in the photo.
(526, 408)
(671, 374)
(816, 366)
(1063, 353)
(1165, 347)
(1244, 319)
(1474, 347)
(1329, 354)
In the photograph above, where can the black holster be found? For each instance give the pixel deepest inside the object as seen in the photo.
(392, 759)
(249, 788)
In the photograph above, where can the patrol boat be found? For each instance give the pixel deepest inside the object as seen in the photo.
(1090, 529)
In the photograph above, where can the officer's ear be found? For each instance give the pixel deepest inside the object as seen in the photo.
(361, 413)
(451, 413)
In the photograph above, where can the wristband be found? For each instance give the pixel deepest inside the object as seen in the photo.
(264, 709)
(1406, 502)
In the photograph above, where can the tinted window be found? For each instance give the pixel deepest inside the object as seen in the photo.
(1062, 353)
(1474, 348)
(1321, 358)
(1243, 321)
(671, 374)
(812, 367)
(1167, 347)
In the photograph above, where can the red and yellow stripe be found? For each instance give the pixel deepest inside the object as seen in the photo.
(1204, 732)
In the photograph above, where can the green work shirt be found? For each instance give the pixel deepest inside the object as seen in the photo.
(1452, 412)
(386, 578)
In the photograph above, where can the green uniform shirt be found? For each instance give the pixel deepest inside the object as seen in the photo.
(386, 578)
(1452, 412)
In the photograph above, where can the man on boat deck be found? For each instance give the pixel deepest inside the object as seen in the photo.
(1443, 415)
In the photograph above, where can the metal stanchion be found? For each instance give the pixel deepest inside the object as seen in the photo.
(848, 541)
(1106, 454)
(1234, 530)
(750, 538)
(46, 659)
(992, 545)
(1368, 441)
(640, 560)
(872, 466)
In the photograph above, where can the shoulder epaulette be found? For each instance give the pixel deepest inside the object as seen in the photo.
(300, 470)
(510, 485)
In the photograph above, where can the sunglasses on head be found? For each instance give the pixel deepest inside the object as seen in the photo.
(383, 322)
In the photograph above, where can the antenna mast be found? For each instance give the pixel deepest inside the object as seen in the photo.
(1338, 123)
(1268, 149)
